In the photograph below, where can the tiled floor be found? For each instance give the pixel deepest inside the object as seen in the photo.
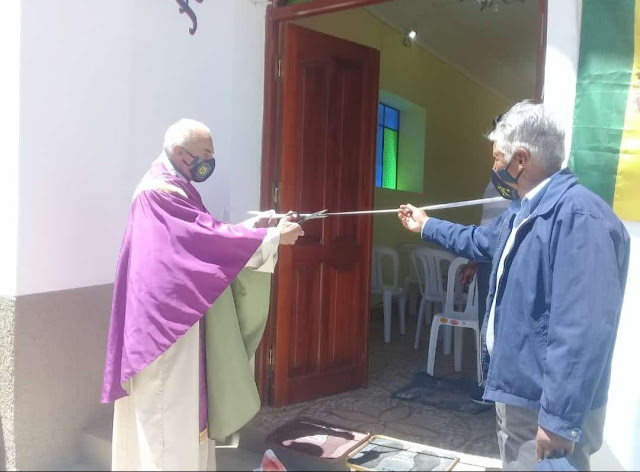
(373, 410)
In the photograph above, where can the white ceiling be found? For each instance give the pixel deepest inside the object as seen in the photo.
(495, 48)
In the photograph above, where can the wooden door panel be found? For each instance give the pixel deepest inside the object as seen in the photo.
(340, 350)
(307, 313)
(329, 111)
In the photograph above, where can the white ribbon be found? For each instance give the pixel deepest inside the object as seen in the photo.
(439, 206)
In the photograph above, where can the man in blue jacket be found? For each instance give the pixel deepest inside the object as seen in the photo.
(560, 259)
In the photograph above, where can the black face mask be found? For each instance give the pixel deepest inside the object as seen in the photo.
(501, 180)
(201, 169)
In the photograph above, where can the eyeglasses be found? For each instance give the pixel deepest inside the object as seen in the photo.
(497, 120)
(195, 158)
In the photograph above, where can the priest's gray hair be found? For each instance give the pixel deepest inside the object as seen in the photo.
(179, 134)
(530, 126)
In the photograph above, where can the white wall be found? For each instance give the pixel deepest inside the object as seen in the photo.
(100, 83)
(561, 62)
(622, 427)
(9, 137)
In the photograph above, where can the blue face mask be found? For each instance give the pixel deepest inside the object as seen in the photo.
(201, 169)
(501, 180)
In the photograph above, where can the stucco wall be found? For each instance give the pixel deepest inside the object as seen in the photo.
(100, 82)
(7, 358)
(59, 358)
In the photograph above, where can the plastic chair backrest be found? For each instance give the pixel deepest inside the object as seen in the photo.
(470, 311)
(430, 267)
(379, 253)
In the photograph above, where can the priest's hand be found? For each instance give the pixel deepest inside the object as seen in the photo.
(412, 218)
(266, 219)
(289, 231)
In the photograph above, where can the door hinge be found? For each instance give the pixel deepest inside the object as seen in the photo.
(270, 357)
(276, 196)
(279, 67)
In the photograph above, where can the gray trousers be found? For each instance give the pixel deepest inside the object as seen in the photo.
(517, 430)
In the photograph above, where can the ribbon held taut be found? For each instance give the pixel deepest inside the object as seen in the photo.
(438, 206)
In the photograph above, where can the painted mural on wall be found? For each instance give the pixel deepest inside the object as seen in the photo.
(187, 10)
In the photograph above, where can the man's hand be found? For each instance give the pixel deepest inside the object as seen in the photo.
(266, 219)
(467, 272)
(289, 231)
(549, 445)
(412, 218)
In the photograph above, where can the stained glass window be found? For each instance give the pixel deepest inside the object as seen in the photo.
(387, 147)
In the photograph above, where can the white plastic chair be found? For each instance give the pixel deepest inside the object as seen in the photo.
(466, 318)
(411, 288)
(388, 291)
(430, 266)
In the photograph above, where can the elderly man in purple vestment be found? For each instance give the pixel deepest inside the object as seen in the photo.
(175, 261)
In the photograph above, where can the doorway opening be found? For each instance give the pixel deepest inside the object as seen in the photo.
(329, 140)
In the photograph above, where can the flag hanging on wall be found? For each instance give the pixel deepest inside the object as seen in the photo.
(605, 149)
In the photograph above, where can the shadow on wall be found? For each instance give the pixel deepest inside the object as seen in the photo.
(60, 340)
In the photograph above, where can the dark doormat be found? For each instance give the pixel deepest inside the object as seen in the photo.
(442, 393)
(315, 439)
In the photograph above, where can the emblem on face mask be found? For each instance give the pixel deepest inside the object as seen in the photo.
(201, 170)
(505, 190)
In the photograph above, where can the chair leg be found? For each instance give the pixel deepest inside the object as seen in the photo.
(386, 309)
(478, 354)
(446, 340)
(433, 342)
(413, 304)
(421, 310)
(457, 348)
(402, 304)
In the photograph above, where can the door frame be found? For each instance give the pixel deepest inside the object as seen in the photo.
(276, 15)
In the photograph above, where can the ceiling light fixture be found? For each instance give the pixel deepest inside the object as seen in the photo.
(409, 36)
(493, 4)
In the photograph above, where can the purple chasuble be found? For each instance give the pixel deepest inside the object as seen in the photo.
(175, 261)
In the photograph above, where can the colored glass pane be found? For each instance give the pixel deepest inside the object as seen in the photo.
(379, 156)
(380, 114)
(390, 158)
(391, 118)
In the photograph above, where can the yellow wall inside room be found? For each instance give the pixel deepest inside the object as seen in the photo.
(459, 113)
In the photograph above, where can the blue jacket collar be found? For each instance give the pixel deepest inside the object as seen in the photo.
(559, 184)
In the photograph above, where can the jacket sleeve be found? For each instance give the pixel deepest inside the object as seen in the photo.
(477, 243)
(585, 303)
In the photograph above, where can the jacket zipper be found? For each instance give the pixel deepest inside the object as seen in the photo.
(499, 282)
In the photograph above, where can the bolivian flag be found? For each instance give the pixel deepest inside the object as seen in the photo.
(605, 149)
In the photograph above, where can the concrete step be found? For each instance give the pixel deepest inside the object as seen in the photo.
(235, 458)
(95, 443)
(78, 466)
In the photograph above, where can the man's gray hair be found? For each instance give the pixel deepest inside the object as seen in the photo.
(529, 126)
(179, 134)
